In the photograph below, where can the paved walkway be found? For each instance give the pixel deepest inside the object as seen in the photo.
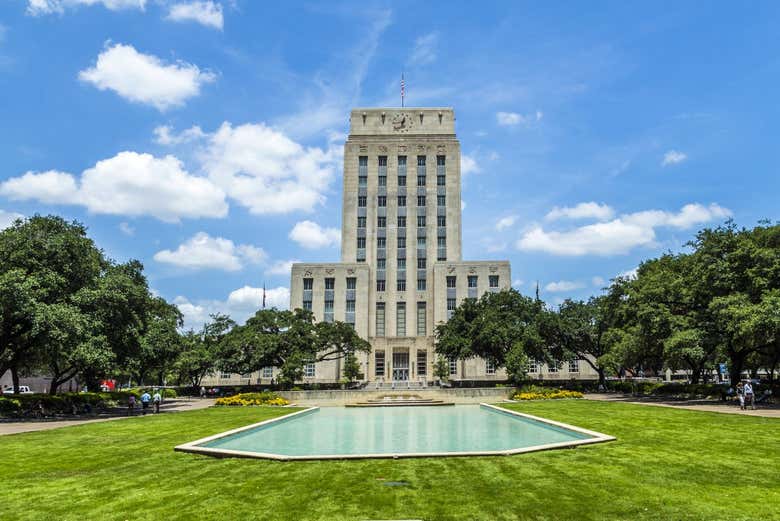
(44, 425)
(768, 411)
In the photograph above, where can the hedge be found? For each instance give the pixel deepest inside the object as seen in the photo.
(27, 405)
(264, 398)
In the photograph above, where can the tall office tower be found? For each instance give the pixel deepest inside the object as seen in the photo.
(401, 271)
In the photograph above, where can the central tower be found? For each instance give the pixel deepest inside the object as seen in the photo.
(401, 271)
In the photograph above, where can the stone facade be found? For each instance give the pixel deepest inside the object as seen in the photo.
(401, 270)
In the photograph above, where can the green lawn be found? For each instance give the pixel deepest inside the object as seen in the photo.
(666, 464)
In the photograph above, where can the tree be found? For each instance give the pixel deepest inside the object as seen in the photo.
(441, 369)
(161, 345)
(351, 367)
(497, 327)
(64, 307)
(287, 340)
(201, 350)
(581, 332)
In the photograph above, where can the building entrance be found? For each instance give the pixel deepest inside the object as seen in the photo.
(401, 366)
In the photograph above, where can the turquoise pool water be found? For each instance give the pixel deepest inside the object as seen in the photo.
(396, 430)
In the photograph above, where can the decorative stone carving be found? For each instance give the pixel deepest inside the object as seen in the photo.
(383, 149)
(307, 273)
(350, 271)
(421, 148)
(402, 148)
(329, 271)
(472, 269)
(441, 149)
(364, 148)
(450, 269)
(493, 269)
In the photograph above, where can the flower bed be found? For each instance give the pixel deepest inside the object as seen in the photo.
(245, 399)
(535, 392)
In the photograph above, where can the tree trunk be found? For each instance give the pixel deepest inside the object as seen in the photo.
(602, 378)
(15, 378)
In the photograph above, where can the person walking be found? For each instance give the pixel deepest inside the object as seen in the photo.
(145, 399)
(131, 405)
(741, 395)
(749, 396)
(156, 400)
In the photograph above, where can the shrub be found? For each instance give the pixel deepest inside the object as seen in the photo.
(10, 407)
(264, 398)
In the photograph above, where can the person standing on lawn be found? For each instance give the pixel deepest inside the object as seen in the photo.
(741, 395)
(145, 399)
(131, 404)
(157, 400)
(749, 396)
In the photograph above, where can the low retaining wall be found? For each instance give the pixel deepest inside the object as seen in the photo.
(456, 395)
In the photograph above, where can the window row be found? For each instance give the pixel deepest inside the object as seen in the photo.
(400, 319)
(382, 170)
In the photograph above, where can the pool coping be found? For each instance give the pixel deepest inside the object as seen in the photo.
(195, 447)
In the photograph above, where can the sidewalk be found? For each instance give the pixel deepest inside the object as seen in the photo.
(176, 405)
(767, 411)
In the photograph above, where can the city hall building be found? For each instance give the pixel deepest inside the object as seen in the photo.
(401, 271)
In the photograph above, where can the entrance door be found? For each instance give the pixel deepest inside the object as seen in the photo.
(401, 366)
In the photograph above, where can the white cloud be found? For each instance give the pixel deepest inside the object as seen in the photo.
(202, 251)
(164, 135)
(281, 267)
(506, 222)
(313, 236)
(8, 218)
(589, 210)
(462, 205)
(563, 285)
(509, 118)
(598, 281)
(630, 274)
(50, 187)
(266, 171)
(620, 235)
(130, 184)
(144, 78)
(240, 304)
(424, 51)
(126, 229)
(517, 283)
(42, 7)
(673, 157)
(205, 13)
(468, 165)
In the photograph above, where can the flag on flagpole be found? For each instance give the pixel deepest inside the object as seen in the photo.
(403, 89)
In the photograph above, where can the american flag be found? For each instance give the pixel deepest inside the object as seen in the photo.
(403, 89)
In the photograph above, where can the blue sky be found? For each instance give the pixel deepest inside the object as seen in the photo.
(204, 138)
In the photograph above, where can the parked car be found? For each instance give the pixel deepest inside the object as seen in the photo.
(23, 389)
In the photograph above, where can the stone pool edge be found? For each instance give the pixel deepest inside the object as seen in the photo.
(195, 448)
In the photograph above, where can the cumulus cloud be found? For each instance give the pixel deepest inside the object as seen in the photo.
(590, 210)
(144, 78)
(506, 222)
(130, 184)
(266, 171)
(8, 218)
(598, 282)
(563, 285)
(511, 119)
(202, 251)
(281, 267)
(43, 7)
(165, 135)
(424, 51)
(126, 229)
(630, 274)
(620, 235)
(206, 13)
(240, 304)
(673, 157)
(313, 236)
